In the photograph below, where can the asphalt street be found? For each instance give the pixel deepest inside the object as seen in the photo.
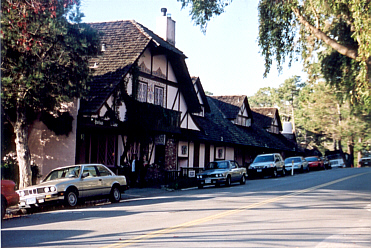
(329, 208)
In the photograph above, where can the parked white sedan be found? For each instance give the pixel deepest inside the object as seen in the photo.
(300, 164)
(71, 183)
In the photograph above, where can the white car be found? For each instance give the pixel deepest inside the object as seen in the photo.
(300, 164)
(71, 183)
(336, 161)
(267, 165)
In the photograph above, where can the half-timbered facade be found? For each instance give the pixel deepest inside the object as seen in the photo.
(143, 104)
(140, 98)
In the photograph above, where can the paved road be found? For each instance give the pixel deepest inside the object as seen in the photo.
(317, 209)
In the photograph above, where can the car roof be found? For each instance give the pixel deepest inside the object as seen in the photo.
(74, 165)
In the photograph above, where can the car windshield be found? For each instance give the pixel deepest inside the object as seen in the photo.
(334, 156)
(266, 158)
(217, 165)
(311, 159)
(72, 171)
(289, 160)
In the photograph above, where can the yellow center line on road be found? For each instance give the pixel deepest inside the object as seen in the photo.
(125, 243)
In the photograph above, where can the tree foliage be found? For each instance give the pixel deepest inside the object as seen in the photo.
(202, 11)
(316, 30)
(44, 50)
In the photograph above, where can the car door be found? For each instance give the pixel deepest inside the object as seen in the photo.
(91, 182)
(235, 171)
(279, 162)
(107, 179)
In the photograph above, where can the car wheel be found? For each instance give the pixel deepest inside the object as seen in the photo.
(243, 179)
(274, 174)
(70, 198)
(115, 195)
(200, 186)
(228, 182)
(283, 172)
(3, 207)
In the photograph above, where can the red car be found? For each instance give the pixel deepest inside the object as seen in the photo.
(8, 195)
(315, 162)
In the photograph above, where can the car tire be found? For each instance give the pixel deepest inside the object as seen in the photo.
(3, 207)
(243, 179)
(283, 172)
(115, 195)
(228, 182)
(71, 198)
(200, 186)
(274, 173)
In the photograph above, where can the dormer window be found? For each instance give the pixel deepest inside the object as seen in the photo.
(103, 48)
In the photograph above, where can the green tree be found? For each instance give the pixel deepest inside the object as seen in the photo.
(44, 50)
(290, 27)
(264, 97)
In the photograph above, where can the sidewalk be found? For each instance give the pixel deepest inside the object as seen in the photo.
(133, 193)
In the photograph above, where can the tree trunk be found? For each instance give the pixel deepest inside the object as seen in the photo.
(351, 151)
(23, 151)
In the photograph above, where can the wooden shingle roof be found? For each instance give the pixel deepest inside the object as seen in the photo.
(265, 116)
(215, 127)
(124, 42)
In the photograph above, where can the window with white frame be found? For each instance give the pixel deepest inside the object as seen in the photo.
(219, 153)
(142, 92)
(184, 150)
(159, 96)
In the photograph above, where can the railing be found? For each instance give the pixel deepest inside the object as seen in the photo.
(183, 178)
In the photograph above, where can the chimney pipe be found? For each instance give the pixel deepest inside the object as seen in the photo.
(166, 27)
(163, 10)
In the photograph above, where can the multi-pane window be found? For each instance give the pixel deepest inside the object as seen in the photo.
(159, 96)
(142, 92)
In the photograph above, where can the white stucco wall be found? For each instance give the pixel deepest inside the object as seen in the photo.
(50, 151)
(202, 156)
(229, 153)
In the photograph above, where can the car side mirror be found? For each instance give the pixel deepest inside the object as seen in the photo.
(85, 174)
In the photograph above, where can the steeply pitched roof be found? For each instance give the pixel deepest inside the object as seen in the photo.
(124, 43)
(196, 81)
(230, 105)
(265, 117)
(215, 127)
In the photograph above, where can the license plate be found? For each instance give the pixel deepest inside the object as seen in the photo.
(207, 180)
(31, 200)
(259, 170)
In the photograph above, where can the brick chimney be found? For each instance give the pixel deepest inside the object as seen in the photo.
(165, 27)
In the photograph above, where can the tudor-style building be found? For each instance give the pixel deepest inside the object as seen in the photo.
(140, 98)
(143, 104)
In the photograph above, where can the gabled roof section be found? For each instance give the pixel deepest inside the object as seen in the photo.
(124, 42)
(231, 105)
(216, 128)
(265, 117)
(196, 81)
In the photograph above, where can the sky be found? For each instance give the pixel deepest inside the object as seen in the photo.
(226, 58)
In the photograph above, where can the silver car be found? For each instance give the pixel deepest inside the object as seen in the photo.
(300, 164)
(71, 183)
(221, 172)
(267, 165)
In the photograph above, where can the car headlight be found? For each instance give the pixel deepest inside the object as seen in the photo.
(46, 189)
(20, 193)
(53, 189)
